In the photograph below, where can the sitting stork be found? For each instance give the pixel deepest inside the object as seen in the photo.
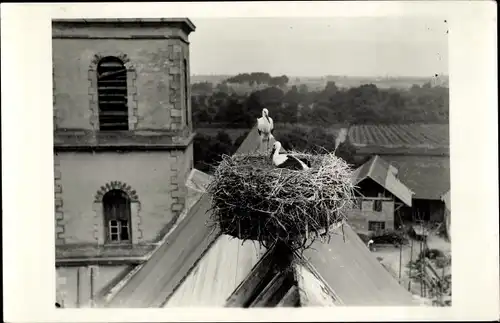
(265, 127)
(286, 160)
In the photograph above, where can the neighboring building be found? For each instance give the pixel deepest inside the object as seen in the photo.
(421, 154)
(122, 146)
(198, 266)
(380, 195)
(446, 198)
(428, 177)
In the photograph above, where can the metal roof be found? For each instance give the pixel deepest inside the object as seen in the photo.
(353, 273)
(383, 173)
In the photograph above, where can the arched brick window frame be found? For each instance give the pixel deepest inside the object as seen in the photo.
(131, 89)
(100, 225)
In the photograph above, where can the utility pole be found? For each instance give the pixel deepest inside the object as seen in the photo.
(421, 259)
(400, 258)
(409, 269)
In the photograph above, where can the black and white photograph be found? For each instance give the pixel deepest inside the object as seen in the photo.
(194, 167)
(189, 158)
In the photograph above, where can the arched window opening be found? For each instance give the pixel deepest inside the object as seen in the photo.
(186, 91)
(116, 206)
(112, 94)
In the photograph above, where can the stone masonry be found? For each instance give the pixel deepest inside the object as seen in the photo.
(58, 198)
(158, 102)
(174, 77)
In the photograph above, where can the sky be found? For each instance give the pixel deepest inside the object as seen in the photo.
(351, 46)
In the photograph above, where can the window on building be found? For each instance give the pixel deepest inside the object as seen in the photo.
(376, 225)
(186, 90)
(112, 94)
(377, 206)
(116, 206)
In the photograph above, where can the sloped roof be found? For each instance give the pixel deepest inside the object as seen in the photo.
(219, 272)
(312, 290)
(185, 269)
(427, 176)
(383, 173)
(167, 268)
(353, 273)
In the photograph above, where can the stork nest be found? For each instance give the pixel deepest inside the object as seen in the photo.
(254, 200)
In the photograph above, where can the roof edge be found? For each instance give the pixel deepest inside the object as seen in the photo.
(188, 23)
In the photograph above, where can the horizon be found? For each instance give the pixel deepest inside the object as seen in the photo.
(327, 75)
(319, 47)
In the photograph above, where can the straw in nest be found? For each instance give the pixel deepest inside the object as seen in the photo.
(253, 200)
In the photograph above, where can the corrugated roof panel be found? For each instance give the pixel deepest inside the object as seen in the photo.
(354, 274)
(217, 275)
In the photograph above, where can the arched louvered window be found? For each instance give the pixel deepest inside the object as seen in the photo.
(112, 92)
(116, 207)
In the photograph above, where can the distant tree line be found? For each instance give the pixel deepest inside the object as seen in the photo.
(357, 105)
(258, 78)
(208, 150)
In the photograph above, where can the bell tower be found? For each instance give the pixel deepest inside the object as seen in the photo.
(122, 144)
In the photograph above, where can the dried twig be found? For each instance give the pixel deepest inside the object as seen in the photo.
(253, 200)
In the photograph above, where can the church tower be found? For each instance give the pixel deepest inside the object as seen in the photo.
(122, 145)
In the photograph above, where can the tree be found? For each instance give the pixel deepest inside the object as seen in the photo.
(202, 87)
(222, 87)
(239, 140)
(208, 151)
(303, 89)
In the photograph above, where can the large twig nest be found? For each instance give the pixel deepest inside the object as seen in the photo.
(254, 200)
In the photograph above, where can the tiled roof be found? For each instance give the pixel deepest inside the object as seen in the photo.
(167, 268)
(383, 173)
(353, 273)
(427, 176)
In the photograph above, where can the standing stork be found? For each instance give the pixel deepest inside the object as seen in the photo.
(265, 127)
(287, 160)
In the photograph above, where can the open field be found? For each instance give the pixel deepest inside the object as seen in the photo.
(398, 135)
(401, 139)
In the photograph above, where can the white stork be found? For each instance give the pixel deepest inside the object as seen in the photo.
(265, 127)
(286, 160)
